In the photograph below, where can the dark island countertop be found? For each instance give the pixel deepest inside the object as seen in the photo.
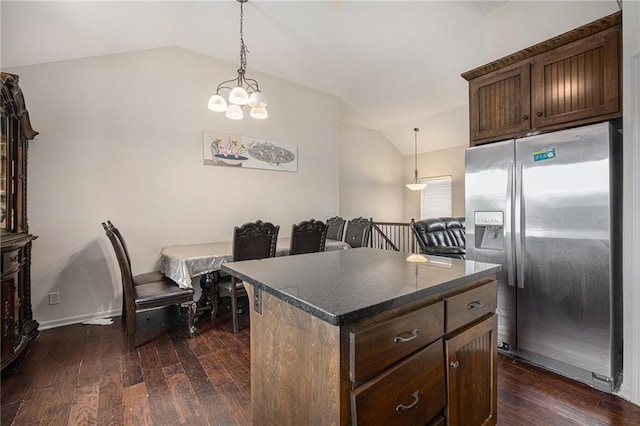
(343, 286)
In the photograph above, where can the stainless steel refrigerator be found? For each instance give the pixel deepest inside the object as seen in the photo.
(548, 208)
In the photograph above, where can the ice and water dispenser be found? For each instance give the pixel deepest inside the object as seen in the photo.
(489, 230)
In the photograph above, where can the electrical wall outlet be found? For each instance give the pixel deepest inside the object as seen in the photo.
(54, 298)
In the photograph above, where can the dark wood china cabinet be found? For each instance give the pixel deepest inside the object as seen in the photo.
(18, 325)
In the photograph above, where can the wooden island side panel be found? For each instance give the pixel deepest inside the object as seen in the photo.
(295, 365)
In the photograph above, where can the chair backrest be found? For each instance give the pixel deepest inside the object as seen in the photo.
(335, 228)
(125, 270)
(308, 237)
(456, 229)
(358, 231)
(440, 232)
(255, 240)
(118, 235)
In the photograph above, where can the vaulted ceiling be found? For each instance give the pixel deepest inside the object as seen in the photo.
(391, 63)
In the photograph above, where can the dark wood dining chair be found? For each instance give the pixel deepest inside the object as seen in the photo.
(308, 236)
(148, 295)
(253, 240)
(335, 228)
(147, 277)
(358, 232)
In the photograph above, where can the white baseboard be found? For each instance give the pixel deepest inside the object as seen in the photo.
(61, 322)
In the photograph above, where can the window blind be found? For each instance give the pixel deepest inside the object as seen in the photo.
(436, 197)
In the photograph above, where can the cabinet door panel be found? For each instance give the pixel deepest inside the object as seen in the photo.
(577, 81)
(7, 314)
(500, 103)
(472, 375)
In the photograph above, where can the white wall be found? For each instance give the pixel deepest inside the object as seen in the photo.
(371, 176)
(438, 131)
(432, 164)
(121, 139)
(519, 24)
(631, 236)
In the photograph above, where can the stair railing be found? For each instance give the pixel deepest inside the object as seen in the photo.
(396, 236)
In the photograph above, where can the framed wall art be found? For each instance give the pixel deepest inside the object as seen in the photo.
(231, 150)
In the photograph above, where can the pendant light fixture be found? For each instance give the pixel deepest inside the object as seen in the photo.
(245, 92)
(416, 185)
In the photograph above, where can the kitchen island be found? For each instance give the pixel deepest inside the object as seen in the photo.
(368, 336)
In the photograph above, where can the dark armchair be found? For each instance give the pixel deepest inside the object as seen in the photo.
(444, 236)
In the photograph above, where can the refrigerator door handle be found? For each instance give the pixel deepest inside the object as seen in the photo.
(518, 226)
(507, 226)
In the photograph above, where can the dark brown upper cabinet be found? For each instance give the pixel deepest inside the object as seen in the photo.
(501, 103)
(570, 80)
(577, 81)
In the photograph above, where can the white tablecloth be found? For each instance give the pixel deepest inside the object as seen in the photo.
(183, 262)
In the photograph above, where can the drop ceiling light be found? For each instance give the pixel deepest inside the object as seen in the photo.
(245, 92)
(416, 185)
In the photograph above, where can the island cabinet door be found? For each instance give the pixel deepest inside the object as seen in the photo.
(471, 375)
(412, 392)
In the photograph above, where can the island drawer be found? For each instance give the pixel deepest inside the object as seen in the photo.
(412, 392)
(466, 307)
(376, 347)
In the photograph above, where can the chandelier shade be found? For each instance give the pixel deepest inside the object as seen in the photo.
(217, 103)
(238, 96)
(242, 90)
(257, 99)
(234, 112)
(416, 185)
(258, 112)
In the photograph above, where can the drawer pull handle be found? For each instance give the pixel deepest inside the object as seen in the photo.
(402, 407)
(400, 339)
(13, 259)
(454, 365)
(476, 304)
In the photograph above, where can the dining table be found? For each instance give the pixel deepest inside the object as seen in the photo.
(184, 262)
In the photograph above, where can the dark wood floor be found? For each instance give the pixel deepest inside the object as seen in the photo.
(81, 374)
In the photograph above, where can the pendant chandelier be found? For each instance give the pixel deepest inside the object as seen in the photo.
(244, 92)
(416, 185)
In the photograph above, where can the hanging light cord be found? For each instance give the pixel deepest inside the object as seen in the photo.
(243, 47)
(416, 130)
(241, 80)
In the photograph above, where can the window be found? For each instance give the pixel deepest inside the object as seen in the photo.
(436, 197)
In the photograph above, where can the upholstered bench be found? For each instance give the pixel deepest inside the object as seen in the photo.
(443, 236)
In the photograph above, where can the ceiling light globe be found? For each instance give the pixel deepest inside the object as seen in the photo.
(238, 96)
(217, 103)
(234, 112)
(416, 186)
(259, 113)
(257, 99)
